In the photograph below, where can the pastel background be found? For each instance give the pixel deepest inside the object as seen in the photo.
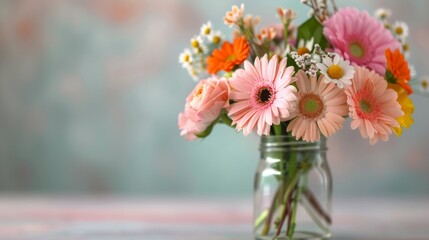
(90, 91)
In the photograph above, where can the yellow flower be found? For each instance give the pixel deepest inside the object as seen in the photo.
(407, 107)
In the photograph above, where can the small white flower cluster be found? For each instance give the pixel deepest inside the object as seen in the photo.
(306, 62)
(318, 51)
(202, 45)
(335, 69)
(305, 57)
(399, 29)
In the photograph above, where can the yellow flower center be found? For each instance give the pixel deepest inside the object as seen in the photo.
(216, 39)
(425, 84)
(335, 72)
(186, 58)
(399, 30)
(207, 31)
(231, 57)
(303, 50)
(199, 91)
(356, 50)
(198, 94)
(405, 47)
(195, 43)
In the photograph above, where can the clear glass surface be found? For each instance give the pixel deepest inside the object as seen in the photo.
(292, 190)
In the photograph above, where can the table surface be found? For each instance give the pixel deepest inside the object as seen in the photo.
(114, 218)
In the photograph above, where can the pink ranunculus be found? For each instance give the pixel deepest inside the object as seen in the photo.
(203, 106)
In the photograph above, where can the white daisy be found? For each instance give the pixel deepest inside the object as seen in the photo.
(185, 58)
(400, 30)
(197, 44)
(424, 84)
(193, 73)
(383, 13)
(206, 29)
(305, 46)
(413, 71)
(406, 49)
(216, 38)
(337, 70)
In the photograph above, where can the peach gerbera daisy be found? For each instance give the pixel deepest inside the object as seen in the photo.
(373, 107)
(262, 94)
(321, 107)
(398, 71)
(228, 56)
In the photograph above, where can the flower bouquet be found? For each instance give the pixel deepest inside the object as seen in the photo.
(295, 86)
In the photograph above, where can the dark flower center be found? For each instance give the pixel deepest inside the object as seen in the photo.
(264, 95)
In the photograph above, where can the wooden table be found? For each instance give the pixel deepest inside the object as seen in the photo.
(114, 218)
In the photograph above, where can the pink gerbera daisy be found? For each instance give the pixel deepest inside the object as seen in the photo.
(360, 38)
(262, 95)
(373, 107)
(321, 107)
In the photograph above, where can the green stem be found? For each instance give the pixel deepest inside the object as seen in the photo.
(316, 205)
(285, 213)
(287, 197)
(292, 165)
(291, 229)
(261, 218)
(285, 33)
(249, 37)
(225, 119)
(273, 208)
(277, 130)
(314, 215)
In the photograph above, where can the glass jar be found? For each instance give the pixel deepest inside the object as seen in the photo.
(292, 190)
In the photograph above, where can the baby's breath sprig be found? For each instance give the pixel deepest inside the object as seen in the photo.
(306, 62)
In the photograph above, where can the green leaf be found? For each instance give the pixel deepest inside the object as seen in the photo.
(291, 62)
(312, 28)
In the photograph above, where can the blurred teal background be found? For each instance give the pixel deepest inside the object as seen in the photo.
(90, 92)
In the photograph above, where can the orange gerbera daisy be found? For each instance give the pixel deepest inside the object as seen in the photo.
(228, 56)
(398, 71)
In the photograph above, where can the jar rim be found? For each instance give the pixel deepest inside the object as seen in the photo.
(287, 142)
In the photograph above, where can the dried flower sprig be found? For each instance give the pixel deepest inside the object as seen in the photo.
(320, 8)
